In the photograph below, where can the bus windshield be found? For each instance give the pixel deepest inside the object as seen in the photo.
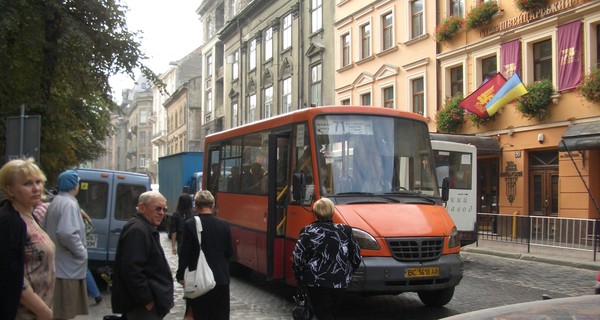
(373, 155)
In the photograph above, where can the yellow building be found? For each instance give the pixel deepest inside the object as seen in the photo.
(557, 41)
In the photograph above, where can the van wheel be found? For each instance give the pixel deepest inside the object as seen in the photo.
(436, 298)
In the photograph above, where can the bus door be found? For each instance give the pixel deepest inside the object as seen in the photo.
(278, 190)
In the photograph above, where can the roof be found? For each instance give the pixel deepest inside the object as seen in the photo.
(581, 136)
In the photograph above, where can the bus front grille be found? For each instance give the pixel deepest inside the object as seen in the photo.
(416, 249)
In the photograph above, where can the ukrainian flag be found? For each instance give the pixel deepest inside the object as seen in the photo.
(512, 89)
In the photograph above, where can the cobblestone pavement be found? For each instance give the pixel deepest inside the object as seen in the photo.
(489, 281)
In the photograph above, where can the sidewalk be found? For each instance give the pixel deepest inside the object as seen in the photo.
(558, 256)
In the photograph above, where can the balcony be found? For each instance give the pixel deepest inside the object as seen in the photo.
(159, 138)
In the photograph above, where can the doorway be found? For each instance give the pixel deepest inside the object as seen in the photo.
(543, 183)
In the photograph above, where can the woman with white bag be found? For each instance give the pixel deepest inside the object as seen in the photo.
(216, 245)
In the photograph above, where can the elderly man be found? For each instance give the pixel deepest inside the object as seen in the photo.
(142, 280)
(64, 225)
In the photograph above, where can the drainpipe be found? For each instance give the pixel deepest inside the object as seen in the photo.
(301, 50)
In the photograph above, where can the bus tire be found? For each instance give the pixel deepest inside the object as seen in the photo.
(436, 298)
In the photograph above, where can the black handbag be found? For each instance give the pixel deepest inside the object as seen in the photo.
(302, 309)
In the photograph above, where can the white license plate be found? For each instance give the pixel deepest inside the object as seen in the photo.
(92, 240)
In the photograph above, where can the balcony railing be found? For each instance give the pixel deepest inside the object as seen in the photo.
(566, 233)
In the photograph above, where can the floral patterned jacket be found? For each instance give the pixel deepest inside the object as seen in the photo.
(326, 255)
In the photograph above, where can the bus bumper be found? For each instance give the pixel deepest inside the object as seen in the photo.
(385, 275)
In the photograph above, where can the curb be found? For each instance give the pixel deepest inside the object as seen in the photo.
(535, 258)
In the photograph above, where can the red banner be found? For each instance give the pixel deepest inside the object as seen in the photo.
(510, 58)
(476, 101)
(569, 48)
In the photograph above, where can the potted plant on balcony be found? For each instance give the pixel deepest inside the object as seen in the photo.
(451, 117)
(530, 5)
(590, 86)
(536, 102)
(477, 121)
(448, 28)
(482, 14)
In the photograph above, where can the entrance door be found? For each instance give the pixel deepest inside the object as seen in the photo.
(543, 183)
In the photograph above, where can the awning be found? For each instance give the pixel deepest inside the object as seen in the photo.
(484, 145)
(581, 136)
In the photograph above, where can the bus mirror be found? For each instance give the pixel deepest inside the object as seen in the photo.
(298, 186)
(445, 189)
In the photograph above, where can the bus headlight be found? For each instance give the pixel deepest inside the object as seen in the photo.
(454, 238)
(365, 240)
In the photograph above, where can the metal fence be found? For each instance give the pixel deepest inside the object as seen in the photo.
(566, 233)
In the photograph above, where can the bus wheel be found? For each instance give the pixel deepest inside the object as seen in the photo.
(436, 298)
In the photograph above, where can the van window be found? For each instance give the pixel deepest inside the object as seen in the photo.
(92, 198)
(127, 200)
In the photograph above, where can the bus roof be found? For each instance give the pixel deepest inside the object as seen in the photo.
(306, 114)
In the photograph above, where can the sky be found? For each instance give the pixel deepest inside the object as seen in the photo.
(169, 31)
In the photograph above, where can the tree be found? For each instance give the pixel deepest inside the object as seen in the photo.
(56, 57)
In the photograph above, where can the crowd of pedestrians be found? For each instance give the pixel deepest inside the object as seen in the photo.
(44, 272)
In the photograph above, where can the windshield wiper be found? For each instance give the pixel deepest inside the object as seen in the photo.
(354, 193)
(413, 195)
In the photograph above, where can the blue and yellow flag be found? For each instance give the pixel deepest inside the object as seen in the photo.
(512, 89)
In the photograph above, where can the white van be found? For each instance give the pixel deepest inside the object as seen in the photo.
(110, 199)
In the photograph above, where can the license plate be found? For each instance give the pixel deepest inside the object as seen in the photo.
(92, 240)
(422, 272)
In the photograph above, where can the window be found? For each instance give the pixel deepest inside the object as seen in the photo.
(208, 102)
(252, 108)
(457, 8)
(542, 60)
(209, 65)
(234, 114)
(316, 15)
(416, 10)
(388, 97)
(488, 68)
(142, 137)
(345, 44)
(365, 99)
(268, 44)
(315, 84)
(286, 95)
(345, 102)
(456, 80)
(268, 102)
(252, 55)
(387, 21)
(235, 65)
(365, 41)
(142, 160)
(287, 32)
(418, 96)
(144, 116)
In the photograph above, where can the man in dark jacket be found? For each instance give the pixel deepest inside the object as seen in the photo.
(142, 280)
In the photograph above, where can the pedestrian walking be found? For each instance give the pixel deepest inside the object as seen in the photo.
(64, 225)
(324, 259)
(142, 282)
(218, 249)
(27, 271)
(183, 212)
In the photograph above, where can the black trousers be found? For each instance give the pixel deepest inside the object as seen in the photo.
(325, 301)
(213, 305)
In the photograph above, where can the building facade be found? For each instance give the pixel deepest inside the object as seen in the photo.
(533, 173)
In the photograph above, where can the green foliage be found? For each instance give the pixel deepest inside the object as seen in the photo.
(477, 121)
(482, 14)
(530, 5)
(55, 59)
(451, 117)
(448, 28)
(590, 87)
(537, 100)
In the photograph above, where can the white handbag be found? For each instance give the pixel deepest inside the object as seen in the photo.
(201, 280)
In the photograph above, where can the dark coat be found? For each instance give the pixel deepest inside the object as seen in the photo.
(216, 244)
(142, 274)
(13, 232)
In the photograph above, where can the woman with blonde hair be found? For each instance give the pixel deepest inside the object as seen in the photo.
(27, 271)
(324, 259)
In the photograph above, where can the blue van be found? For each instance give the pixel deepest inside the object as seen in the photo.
(110, 199)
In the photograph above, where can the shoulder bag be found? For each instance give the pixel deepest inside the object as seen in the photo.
(302, 308)
(201, 280)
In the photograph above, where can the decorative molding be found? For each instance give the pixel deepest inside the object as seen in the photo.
(363, 79)
(386, 70)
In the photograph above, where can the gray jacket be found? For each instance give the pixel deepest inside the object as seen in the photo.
(64, 225)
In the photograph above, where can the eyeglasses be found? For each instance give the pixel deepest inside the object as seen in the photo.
(161, 208)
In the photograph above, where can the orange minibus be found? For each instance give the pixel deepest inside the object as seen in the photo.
(376, 165)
